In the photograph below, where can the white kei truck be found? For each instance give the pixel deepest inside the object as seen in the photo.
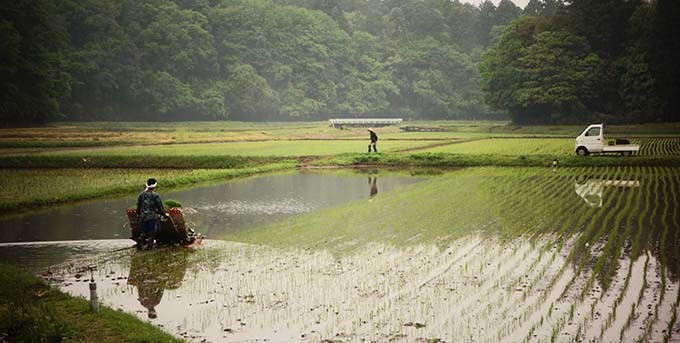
(592, 141)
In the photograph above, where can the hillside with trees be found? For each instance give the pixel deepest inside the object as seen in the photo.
(593, 60)
(281, 60)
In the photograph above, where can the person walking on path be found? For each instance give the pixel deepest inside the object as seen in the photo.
(149, 205)
(374, 141)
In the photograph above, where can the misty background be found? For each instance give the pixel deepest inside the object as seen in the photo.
(548, 61)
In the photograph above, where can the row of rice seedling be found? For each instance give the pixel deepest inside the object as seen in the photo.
(584, 254)
(559, 278)
(638, 248)
(623, 238)
(547, 257)
(674, 246)
(511, 146)
(656, 239)
(661, 241)
(604, 266)
(630, 208)
(549, 146)
(607, 262)
(619, 206)
(627, 207)
(659, 146)
(484, 254)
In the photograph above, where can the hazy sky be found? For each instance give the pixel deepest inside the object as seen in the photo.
(519, 3)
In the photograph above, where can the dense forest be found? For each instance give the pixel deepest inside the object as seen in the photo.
(552, 61)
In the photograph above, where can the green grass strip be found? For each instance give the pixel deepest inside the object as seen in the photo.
(94, 160)
(32, 311)
(429, 159)
(24, 189)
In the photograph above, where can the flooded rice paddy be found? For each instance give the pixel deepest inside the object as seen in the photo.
(474, 255)
(221, 208)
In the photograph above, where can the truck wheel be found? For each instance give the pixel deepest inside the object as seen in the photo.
(582, 151)
(626, 153)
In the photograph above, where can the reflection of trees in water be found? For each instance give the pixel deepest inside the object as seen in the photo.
(155, 271)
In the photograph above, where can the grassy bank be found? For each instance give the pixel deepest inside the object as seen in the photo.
(92, 159)
(428, 159)
(254, 149)
(417, 158)
(23, 189)
(32, 311)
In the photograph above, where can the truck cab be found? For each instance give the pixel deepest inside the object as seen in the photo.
(592, 141)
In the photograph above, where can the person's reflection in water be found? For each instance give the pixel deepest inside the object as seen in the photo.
(372, 182)
(154, 272)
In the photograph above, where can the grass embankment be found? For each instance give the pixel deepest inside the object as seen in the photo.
(92, 159)
(253, 149)
(23, 189)
(486, 152)
(32, 311)
(427, 159)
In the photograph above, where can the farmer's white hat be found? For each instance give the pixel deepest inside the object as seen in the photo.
(151, 183)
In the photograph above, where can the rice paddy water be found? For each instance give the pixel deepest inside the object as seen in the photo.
(214, 210)
(474, 255)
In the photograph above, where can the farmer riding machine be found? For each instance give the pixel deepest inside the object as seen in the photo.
(171, 230)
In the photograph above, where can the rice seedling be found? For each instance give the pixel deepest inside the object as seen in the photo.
(511, 146)
(489, 254)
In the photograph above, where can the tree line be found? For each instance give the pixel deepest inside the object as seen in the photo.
(318, 59)
(605, 60)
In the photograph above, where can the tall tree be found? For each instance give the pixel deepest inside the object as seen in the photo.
(98, 54)
(486, 21)
(461, 20)
(506, 12)
(665, 54)
(435, 78)
(542, 7)
(637, 87)
(540, 75)
(332, 9)
(32, 75)
(602, 22)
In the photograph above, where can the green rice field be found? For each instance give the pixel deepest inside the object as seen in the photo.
(481, 254)
(489, 241)
(550, 146)
(265, 148)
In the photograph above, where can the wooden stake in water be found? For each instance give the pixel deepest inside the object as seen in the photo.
(94, 300)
